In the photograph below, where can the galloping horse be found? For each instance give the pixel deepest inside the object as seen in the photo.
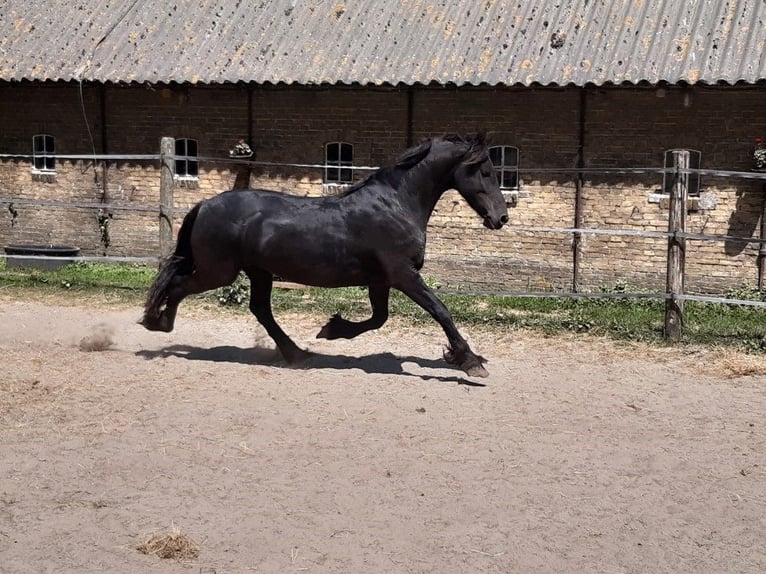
(372, 235)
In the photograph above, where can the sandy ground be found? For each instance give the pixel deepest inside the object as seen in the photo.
(575, 455)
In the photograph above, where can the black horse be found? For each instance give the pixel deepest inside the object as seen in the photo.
(373, 235)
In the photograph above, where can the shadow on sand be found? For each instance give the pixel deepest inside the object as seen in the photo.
(378, 363)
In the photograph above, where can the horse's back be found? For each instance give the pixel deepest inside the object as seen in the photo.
(240, 203)
(324, 241)
(263, 229)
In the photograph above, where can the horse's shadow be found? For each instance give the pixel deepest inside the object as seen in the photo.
(377, 363)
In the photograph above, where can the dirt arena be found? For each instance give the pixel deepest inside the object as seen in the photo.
(575, 455)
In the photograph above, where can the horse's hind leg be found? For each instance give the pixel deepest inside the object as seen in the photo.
(260, 305)
(458, 352)
(165, 319)
(339, 328)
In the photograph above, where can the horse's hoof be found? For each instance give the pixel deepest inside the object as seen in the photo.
(476, 371)
(155, 325)
(296, 356)
(330, 330)
(470, 364)
(324, 332)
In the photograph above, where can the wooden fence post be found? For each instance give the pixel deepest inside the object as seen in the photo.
(167, 149)
(579, 208)
(674, 307)
(762, 248)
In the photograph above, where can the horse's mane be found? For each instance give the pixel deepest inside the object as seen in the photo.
(477, 146)
(392, 175)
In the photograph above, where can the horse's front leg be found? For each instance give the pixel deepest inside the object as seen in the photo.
(260, 305)
(339, 328)
(458, 353)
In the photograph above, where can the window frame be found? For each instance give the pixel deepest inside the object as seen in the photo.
(695, 179)
(342, 165)
(505, 169)
(182, 165)
(44, 160)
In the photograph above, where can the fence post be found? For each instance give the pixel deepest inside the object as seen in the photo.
(167, 149)
(674, 307)
(762, 248)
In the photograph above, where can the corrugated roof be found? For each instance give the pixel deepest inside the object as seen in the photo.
(491, 42)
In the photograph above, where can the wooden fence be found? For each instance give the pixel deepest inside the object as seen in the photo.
(676, 234)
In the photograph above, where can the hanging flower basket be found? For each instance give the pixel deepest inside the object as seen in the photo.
(241, 151)
(759, 155)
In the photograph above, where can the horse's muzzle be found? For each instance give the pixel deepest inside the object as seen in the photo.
(492, 223)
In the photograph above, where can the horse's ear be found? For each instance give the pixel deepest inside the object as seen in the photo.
(414, 155)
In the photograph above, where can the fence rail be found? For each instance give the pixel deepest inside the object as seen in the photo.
(512, 228)
(518, 228)
(618, 296)
(676, 235)
(507, 295)
(757, 175)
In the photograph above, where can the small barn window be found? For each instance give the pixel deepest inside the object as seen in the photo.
(338, 159)
(187, 165)
(43, 150)
(695, 161)
(505, 158)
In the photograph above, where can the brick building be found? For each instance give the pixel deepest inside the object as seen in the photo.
(562, 86)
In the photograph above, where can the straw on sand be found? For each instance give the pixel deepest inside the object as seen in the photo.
(733, 364)
(174, 544)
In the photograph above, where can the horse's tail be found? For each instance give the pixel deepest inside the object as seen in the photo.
(181, 262)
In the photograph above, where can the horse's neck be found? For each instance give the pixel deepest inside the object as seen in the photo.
(426, 186)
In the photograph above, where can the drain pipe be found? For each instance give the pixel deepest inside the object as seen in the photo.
(104, 143)
(250, 116)
(410, 113)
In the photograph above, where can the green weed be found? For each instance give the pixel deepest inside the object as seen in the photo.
(738, 326)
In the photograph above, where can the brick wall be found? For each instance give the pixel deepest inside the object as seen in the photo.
(625, 127)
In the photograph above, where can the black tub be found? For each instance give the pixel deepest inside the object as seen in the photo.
(26, 255)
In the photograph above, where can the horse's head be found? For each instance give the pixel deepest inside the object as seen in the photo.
(476, 181)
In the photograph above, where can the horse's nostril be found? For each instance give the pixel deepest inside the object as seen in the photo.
(504, 219)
